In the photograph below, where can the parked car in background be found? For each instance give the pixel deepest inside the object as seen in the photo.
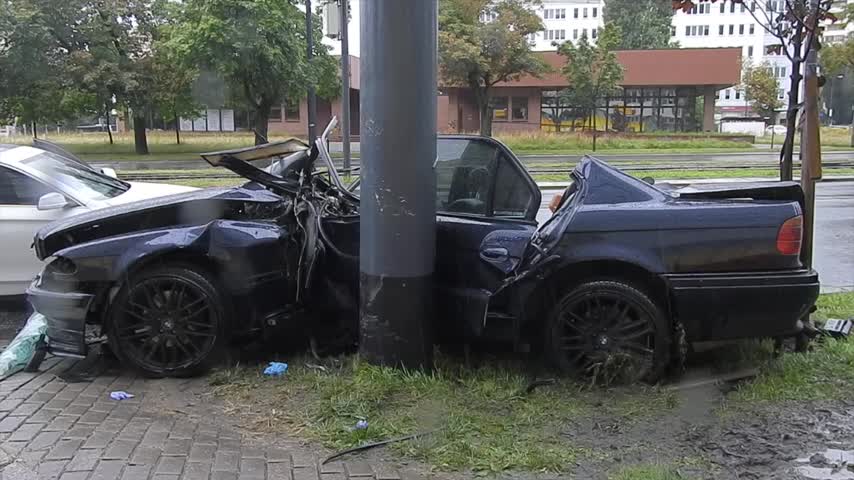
(610, 285)
(38, 186)
(775, 129)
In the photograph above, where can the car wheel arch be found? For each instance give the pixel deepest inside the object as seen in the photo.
(538, 303)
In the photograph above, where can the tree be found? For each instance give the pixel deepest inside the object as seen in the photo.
(643, 23)
(790, 26)
(478, 55)
(592, 71)
(258, 47)
(760, 89)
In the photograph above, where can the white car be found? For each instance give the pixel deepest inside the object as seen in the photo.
(38, 186)
(775, 129)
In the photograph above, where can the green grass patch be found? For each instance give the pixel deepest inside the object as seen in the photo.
(648, 472)
(481, 419)
(824, 373)
(839, 137)
(545, 142)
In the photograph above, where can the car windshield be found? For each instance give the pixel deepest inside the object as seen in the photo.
(77, 180)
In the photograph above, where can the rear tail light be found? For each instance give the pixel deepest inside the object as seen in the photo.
(790, 235)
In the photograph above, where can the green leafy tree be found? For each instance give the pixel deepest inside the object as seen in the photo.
(479, 54)
(837, 57)
(643, 23)
(760, 89)
(790, 27)
(258, 47)
(592, 71)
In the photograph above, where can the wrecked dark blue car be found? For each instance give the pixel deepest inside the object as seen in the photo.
(620, 277)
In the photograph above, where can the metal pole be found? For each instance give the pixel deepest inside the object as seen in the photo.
(345, 85)
(810, 142)
(312, 98)
(398, 149)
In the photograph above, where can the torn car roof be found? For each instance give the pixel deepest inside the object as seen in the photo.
(258, 152)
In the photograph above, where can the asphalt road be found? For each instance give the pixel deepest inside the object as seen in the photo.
(834, 234)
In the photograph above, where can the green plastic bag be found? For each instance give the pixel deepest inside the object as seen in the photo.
(22, 348)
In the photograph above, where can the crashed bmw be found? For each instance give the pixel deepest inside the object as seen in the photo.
(620, 277)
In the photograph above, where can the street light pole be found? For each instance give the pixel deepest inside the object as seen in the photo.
(312, 98)
(345, 85)
(398, 194)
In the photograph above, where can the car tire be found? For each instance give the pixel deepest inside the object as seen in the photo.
(608, 332)
(168, 321)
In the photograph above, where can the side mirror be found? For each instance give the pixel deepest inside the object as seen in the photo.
(109, 172)
(52, 201)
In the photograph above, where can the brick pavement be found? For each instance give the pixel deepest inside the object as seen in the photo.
(60, 423)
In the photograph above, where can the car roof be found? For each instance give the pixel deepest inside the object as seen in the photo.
(12, 155)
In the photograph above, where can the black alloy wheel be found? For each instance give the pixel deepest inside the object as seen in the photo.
(608, 333)
(167, 322)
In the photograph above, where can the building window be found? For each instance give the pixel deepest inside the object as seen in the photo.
(275, 114)
(738, 94)
(726, 94)
(732, 29)
(593, 33)
(583, 32)
(575, 34)
(705, 30)
(732, 7)
(720, 29)
(561, 13)
(672, 31)
(575, 13)
(555, 35)
(520, 109)
(750, 51)
(499, 109)
(584, 12)
(292, 110)
(723, 7)
(741, 29)
(687, 30)
(752, 6)
(781, 94)
(595, 12)
(705, 8)
(743, 8)
(751, 30)
(547, 14)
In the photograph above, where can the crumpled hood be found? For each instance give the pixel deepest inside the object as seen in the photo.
(188, 208)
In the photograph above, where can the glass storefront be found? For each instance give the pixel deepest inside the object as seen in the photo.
(654, 109)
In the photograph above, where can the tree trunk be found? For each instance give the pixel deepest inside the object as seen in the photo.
(140, 142)
(262, 113)
(177, 130)
(109, 130)
(35, 129)
(851, 143)
(593, 119)
(788, 148)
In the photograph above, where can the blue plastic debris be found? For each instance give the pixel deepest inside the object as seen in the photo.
(120, 395)
(362, 425)
(276, 369)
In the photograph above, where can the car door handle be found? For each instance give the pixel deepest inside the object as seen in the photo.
(495, 253)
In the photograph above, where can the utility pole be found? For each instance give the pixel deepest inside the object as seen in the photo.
(312, 98)
(345, 84)
(398, 212)
(810, 141)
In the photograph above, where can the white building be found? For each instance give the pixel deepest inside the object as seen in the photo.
(568, 21)
(837, 32)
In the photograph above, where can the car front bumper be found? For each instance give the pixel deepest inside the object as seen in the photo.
(728, 306)
(66, 314)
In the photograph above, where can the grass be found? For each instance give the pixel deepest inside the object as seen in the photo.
(830, 137)
(648, 472)
(825, 373)
(546, 142)
(480, 419)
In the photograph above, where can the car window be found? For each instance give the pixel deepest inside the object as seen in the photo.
(475, 177)
(512, 192)
(78, 180)
(464, 175)
(19, 189)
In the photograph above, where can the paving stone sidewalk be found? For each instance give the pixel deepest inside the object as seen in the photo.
(60, 423)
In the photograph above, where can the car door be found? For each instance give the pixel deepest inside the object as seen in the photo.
(486, 206)
(20, 218)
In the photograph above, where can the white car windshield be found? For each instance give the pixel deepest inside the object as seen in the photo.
(77, 180)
